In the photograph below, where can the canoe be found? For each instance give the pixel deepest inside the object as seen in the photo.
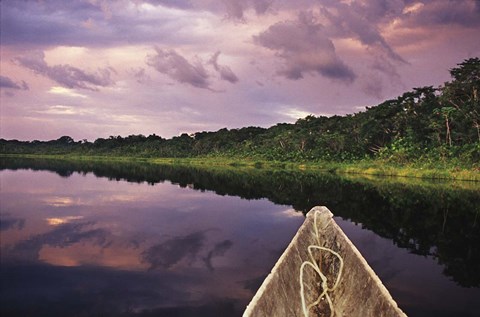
(321, 273)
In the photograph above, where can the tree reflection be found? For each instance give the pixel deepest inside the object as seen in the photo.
(429, 219)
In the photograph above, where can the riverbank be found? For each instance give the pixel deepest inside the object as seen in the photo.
(435, 170)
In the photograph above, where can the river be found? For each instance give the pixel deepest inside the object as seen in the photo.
(134, 239)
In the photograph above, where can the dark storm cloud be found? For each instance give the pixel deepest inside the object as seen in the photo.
(305, 48)
(225, 72)
(66, 75)
(6, 82)
(178, 68)
(172, 251)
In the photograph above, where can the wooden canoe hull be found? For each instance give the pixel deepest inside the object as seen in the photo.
(359, 291)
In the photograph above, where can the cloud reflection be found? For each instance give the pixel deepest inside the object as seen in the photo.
(59, 201)
(8, 223)
(218, 250)
(172, 251)
(164, 251)
(63, 235)
(63, 220)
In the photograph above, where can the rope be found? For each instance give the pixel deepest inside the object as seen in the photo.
(316, 267)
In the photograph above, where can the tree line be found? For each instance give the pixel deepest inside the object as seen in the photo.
(427, 123)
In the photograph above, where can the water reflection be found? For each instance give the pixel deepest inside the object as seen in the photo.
(85, 246)
(172, 233)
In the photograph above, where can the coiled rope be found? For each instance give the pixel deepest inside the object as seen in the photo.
(316, 267)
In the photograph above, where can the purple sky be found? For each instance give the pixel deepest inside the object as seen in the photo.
(95, 68)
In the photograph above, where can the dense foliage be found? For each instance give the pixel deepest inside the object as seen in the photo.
(428, 124)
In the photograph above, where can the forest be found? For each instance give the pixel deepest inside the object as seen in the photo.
(428, 124)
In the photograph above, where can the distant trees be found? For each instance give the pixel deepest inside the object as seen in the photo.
(460, 100)
(426, 122)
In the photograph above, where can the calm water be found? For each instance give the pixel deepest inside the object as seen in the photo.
(89, 239)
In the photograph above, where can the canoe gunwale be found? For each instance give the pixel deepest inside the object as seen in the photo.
(360, 291)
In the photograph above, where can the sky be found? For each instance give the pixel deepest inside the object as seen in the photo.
(98, 68)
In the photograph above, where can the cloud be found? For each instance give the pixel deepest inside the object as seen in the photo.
(379, 72)
(140, 75)
(94, 23)
(443, 12)
(66, 75)
(57, 90)
(305, 48)
(354, 21)
(341, 42)
(261, 6)
(367, 20)
(178, 4)
(235, 8)
(294, 113)
(6, 82)
(178, 68)
(225, 72)
(44, 22)
(63, 110)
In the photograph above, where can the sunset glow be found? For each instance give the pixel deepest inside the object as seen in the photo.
(91, 69)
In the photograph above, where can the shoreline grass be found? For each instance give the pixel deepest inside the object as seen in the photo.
(374, 167)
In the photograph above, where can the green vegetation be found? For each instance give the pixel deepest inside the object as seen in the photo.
(427, 132)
